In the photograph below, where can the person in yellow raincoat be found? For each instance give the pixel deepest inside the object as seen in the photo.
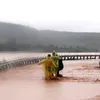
(47, 66)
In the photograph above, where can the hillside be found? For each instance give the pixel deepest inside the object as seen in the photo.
(23, 34)
(29, 36)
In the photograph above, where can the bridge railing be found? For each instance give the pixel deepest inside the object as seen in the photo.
(20, 62)
(34, 60)
(79, 57)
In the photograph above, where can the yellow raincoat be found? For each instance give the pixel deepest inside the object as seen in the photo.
(47, 66)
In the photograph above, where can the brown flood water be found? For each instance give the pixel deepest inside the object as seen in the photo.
(27, 83)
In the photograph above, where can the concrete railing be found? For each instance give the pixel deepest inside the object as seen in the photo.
(34, 60)
(20, 62)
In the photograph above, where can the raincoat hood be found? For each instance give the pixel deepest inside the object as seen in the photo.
(54, 53)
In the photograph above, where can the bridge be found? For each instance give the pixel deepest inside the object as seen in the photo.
(34, 60)
(79, 57)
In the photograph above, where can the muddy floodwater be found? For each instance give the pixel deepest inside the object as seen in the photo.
(81, 81)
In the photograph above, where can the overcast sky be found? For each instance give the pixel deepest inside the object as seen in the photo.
(67, 15)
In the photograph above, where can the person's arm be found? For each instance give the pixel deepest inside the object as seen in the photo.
(41, 62)
(53, 63)
(57, 57)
